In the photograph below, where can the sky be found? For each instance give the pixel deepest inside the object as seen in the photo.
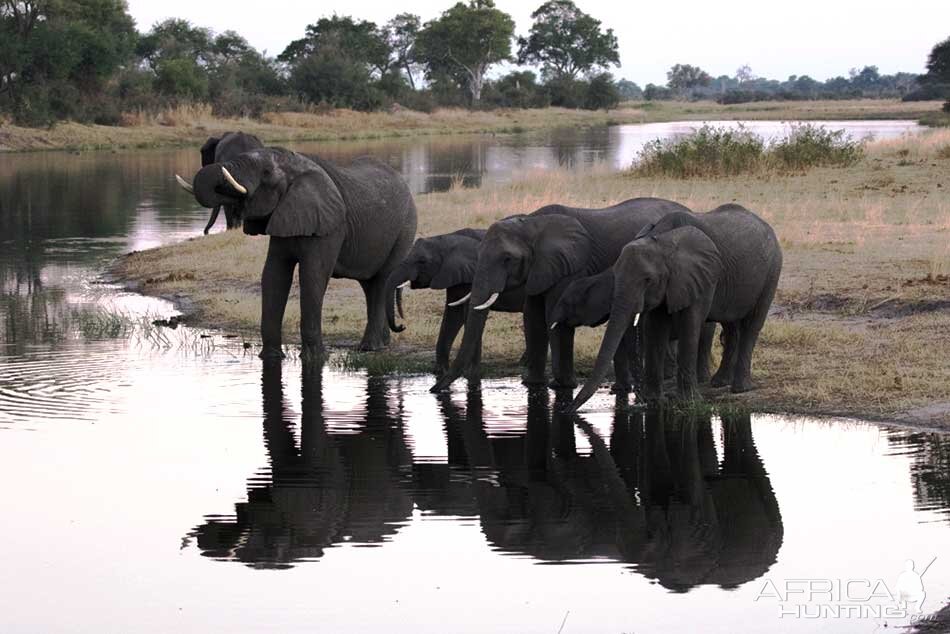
(820, 38)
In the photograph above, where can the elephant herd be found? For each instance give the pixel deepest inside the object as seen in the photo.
(657, 273)
(655, 495)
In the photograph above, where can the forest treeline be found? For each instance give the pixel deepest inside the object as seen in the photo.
(84, 60)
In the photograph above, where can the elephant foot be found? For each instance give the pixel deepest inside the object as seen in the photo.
(271, 353)
(473, 373)
(373, 344)
(563, 384)
(530, 378)
(702, 378)
(440, 370)
(312, 353)
(742, 385)
(621, 388)
(720, 379)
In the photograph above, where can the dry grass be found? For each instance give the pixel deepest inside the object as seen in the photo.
(866, 261)
(192, 124)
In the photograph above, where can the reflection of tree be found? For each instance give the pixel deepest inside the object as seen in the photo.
(657, 498)
(323, 490)
(929, 468)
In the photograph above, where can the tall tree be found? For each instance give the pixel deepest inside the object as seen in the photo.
(464, 42)
(401, 33)
(357, 40)
(938, 68)
(682, 78)
(565, 41)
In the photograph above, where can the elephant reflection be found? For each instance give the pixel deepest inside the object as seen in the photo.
(657, 498)
(326, 489)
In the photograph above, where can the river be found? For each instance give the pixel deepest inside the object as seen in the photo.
(163, 479)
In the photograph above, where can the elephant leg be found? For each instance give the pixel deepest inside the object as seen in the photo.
(562, 358)
(689, 324)
(231, 217)
(318, 257)
(536, 341)
(749, 329)
(453, 318)
(376, 334)
(276, 279)
(730, 340)
(657, 336)
(705, 348)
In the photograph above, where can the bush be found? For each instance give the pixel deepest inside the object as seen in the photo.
(602, 92)
(815, 146)
(707, 152)
(712, 152)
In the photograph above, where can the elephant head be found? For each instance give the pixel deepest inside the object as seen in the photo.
(278, 192)
(585, 302)
(439, 262)
(673, 269)
(534, 252)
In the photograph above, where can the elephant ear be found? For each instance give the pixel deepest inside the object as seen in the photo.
(312, 205)
(208, 151)
(561, 249)
(458, 267)
(694, 267)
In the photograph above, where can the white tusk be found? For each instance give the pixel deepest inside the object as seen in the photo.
(554, 325)
(459, 302)
(491, 300)
(636, 320)
(405, 284)
(236, 185)
(185, 184)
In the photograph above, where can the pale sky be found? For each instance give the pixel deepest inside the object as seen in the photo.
(820, 38)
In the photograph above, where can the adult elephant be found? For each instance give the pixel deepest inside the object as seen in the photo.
(444, 262)
(354, 222)
(542, 252)
(219, 150)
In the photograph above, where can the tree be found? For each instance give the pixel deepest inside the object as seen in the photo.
(359, 41)
(566, 41)
(464, 42)
(938, 68)
(57, 56)
(602, 92)
(629, 90)
(401, 33)
(744, 74)
(683, 77)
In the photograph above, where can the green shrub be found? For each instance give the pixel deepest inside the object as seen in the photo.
(814, 146)
(709, 151)
(712, 152)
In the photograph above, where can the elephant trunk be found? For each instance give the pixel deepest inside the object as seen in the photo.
(213, 219)
(212, 180)
(468, 350)
(398, 280)
(621, 316)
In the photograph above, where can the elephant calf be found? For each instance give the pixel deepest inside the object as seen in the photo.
(354, 222)
(446, 262)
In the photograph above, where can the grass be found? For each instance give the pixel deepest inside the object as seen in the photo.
(862, 324)
(192, 124)
(712, 151)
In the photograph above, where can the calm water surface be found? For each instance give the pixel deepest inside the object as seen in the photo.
(169, 481)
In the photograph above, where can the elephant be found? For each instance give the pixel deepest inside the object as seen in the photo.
(355, 222)
(542, 252)
(447, 262)
(671, 279)
(220, 150)
(319, 491)
(752, 266)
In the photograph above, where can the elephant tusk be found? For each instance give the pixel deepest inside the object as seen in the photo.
(636, 320)
(405, 284)
(236, 185)
(554, 325)
(459, 302)
(185, 184)
(491, 300)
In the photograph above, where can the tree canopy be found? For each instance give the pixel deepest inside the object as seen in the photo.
(565, 41)
(464, 42)
(684, 77)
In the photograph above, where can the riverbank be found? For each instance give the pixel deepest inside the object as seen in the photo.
(860, 326)
(192, 125)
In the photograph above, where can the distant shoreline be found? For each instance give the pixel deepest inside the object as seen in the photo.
(190, 126)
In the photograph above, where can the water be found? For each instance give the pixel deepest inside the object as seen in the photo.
(159, 480)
